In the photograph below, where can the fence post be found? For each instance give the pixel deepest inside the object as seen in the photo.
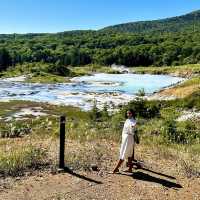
(62, 142)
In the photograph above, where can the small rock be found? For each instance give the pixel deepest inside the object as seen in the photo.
(94, 167)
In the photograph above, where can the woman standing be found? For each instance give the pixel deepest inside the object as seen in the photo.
(127, 145)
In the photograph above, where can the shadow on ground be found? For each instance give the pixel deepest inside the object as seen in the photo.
(139, 175)
(158, 173)
(69, 171)
(146, 177)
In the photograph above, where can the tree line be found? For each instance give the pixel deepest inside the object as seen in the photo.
(77, 48)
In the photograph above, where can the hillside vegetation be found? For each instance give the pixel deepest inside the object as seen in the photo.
(175, 41)
(182, 23)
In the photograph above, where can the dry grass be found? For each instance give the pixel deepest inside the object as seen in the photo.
(184, 89)
(180, 92)
(30, 153)
(26, 154)
(183, 71)
(190, 169)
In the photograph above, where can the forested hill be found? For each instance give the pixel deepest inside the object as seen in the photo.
(75, 48)
(189, 21)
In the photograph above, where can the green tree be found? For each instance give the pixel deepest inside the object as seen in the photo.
(5, 59)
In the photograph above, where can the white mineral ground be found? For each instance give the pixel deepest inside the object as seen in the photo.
(15, 79)
(83, 98)
(120, 68)
(22, 113)
(187, 115)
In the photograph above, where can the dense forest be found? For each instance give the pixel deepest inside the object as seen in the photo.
(172, 41)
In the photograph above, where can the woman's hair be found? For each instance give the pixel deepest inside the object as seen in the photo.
(132, 112)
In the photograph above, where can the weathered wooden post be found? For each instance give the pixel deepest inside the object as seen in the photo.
(62, 142)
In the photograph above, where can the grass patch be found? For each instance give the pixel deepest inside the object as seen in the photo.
(191, 82)
(90, 69)
(16, 160)
(83, 156)
(184, 89)
(47, 78)
(184, 157)
(183, 70)
(35, 72)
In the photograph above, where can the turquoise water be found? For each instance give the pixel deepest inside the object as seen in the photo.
(127, 83)
(81, 92)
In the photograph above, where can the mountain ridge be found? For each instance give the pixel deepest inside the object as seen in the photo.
(172, 24)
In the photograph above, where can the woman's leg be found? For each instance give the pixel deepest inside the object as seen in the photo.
(133, 155)
(130, 161)
(118, 165)
(130, 164)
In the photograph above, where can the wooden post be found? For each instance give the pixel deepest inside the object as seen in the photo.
(62, 142)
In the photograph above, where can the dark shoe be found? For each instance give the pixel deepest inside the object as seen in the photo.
(115, 171)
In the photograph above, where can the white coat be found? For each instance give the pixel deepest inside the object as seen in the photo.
(127, 144)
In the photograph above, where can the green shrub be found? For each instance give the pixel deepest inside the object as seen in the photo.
(14, 129)
(184, 133)
(95, 114)
(144, 108)
(104, 113)
(58, 69)
(141, 92)
(16, 161)
(193, 101)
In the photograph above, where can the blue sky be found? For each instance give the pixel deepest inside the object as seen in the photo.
(22, 16)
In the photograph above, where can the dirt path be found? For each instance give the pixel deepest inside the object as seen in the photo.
(142, 184)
